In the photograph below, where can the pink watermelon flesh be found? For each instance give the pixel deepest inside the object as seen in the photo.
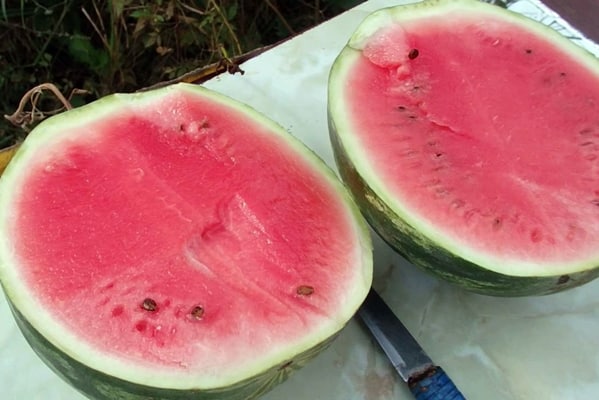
(184, 244)
(510, 161)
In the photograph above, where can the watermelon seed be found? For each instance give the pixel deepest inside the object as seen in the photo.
(412, 117)
(149, 305)
(497, 223)
(528, 51)
(585, 132)
(563, 279)
(586, 143)
(197, 312)
(562, 74)
(595, 202)
(416, 87)
(401, 108)
(438, 154)
(413, 54)
(304, 290)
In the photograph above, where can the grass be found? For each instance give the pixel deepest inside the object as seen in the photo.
(103, 46)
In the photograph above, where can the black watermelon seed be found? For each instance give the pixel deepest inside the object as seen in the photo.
(197, 312)
(413, 54)
(149, 305)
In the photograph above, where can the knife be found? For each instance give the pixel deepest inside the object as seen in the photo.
(426, 380)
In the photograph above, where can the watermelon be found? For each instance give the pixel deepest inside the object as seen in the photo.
(176, 244)
(469, 136)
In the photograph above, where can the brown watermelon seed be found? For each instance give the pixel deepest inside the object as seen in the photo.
(413, 54)
(304, 290)
(197, 312)
(401, 108)
(149, 305)
(563, 279)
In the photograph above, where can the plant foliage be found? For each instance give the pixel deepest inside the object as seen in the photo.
(106, 46)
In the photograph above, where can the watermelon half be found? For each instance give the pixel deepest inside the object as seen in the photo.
(469, 136)
(176, 244)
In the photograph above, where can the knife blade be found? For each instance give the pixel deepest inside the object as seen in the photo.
(426, 380)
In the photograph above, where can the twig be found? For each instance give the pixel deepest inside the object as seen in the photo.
(227, 25)
(204, 73)
(281, 17)
(24, 118)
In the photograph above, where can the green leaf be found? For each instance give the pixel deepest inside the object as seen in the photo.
(232, 11)
(83, 51)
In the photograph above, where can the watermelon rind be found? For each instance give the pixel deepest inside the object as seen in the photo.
(99, 385)
(106, 377)
(415, 238)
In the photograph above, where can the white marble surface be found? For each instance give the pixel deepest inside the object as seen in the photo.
(544, 348)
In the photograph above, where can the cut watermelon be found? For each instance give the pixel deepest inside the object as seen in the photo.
(176, 244)
(469, 136)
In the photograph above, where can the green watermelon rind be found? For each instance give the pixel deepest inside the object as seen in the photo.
(101, 386)
(59, 347)
(432, 256)
(417, 240)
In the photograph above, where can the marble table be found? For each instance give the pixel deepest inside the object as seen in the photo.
(544, 348)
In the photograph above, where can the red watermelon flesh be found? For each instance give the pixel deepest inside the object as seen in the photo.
(184, 237)
(494, 140)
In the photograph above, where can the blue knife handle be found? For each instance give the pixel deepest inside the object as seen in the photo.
(435, 386)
